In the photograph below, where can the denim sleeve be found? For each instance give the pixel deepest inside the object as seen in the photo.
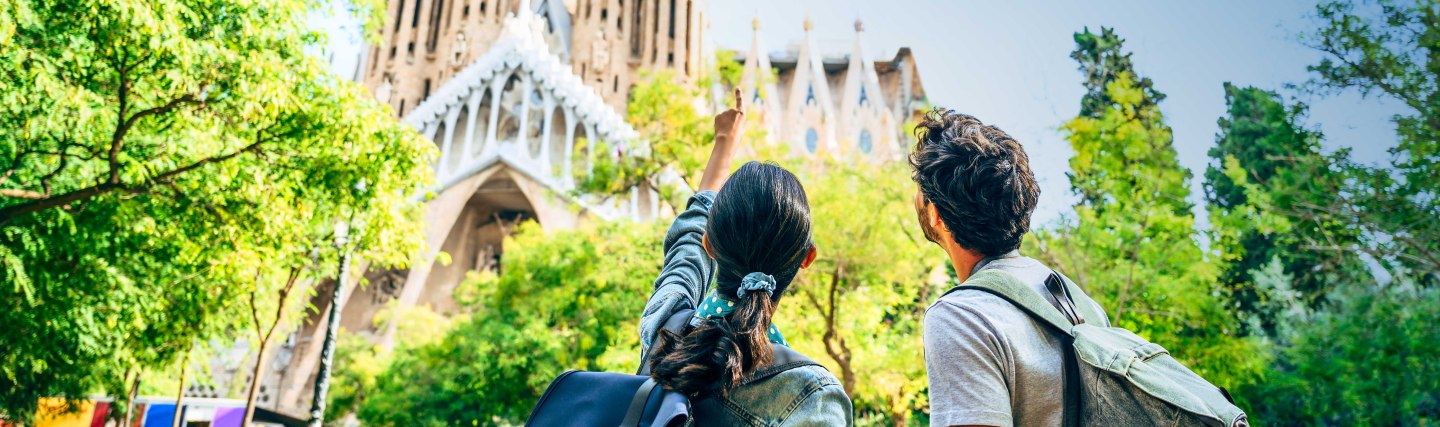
(827, 406)
(687, 272)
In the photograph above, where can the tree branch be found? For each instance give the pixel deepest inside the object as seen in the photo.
(117, 141)
(9, 212)
(254, 310)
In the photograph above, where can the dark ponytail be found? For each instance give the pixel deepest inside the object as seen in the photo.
(760, 222)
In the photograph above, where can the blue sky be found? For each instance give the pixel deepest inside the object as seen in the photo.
(1007, 62)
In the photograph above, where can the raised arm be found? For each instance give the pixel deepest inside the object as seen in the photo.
(688, 270)
(729, 126)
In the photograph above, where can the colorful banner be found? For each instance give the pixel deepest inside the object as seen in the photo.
(52, 413)
(160, 415)
(101, 410)
(228, 417)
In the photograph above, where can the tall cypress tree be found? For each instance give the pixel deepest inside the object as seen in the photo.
(1282, 159)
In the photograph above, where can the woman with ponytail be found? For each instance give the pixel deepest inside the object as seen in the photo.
(730, 256)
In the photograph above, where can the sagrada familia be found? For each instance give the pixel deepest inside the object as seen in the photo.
(514, 92)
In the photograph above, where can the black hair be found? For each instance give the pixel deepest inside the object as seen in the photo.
(979, 179)
(760, 222)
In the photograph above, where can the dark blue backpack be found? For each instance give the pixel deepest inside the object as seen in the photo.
(586, 399)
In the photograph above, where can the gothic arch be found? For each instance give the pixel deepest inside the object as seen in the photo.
(474, 240)
(558, 132)
(455, 145)
(511, 100)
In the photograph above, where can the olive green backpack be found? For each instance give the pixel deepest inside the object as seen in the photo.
(1113, 377)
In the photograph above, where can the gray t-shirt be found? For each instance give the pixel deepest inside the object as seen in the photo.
(989, 362)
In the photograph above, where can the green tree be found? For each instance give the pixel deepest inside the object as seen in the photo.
(359, 362)
(1390, 48)
(1364, 356)
(1132, 243)
(1366, 359)
(1103, 59)
(1358, 357)
(673, 132)
(858, 309)
(566, 300)
(1277, 153)
(675, 135)
(156, 156)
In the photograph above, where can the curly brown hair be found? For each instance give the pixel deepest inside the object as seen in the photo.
(979, 179)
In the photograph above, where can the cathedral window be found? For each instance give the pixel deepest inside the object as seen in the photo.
(812, 140)
(672, 19)
(635, 48)
(399, 15)
(535, 124)
(809, 94)
(867, 143)
(863, 97)
(435, 15)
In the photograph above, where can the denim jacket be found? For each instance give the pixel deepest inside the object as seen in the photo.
(806, 396)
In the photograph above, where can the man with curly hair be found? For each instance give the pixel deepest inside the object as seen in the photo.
(989, 362)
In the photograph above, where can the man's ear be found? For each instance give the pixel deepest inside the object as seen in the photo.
(934, 216)
(809, 257)
(705, 242)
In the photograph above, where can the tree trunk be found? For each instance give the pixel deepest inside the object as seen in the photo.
(264, 336)
(115, 414)
(255, 380)
(327, 349)
(130, 402)
(179, 418)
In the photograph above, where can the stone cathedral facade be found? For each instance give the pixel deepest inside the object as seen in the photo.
(513, 92)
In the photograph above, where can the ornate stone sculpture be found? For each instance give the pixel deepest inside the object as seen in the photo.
(457, 53)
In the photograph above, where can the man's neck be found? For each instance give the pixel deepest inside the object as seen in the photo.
(963, 260)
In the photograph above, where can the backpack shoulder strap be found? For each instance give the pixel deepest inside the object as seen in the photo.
(1061, 314)
(1087, 307)
(637, 403)
(1006, 286)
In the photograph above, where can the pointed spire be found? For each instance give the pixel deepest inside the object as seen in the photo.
(755, 23)
(859, 26)
(809, 24)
